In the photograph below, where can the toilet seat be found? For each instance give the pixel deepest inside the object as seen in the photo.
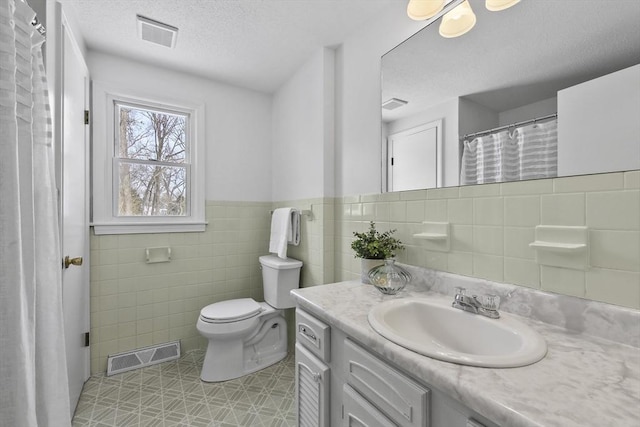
(229, 311)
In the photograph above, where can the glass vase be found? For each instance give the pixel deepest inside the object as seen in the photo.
(389, 278)
(366, 264)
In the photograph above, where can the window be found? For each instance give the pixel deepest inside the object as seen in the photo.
(148, 173)
(151, 162)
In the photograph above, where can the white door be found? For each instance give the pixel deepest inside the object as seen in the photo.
(74, 210)
(413, 158)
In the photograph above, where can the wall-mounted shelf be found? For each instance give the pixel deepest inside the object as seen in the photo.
(430, 236)
(560, 246)
(435, 236)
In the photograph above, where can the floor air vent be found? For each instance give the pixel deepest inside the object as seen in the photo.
(142, 357)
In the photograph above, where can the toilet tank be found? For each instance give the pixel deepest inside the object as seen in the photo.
(279, 276)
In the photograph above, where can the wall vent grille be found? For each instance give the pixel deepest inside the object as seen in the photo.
(156, 32)
(394, 103)
(142, 357)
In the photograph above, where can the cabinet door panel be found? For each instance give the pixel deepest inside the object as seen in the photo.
(403, 400)
(360, 413)
(312, 388)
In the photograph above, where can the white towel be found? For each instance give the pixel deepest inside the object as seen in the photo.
(285, 229)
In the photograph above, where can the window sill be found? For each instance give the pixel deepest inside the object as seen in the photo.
(144, 228)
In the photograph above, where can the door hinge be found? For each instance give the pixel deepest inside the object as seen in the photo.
(392, 161)
(86, 117)
(86, 339)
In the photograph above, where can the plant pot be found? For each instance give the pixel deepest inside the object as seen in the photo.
(365, 266)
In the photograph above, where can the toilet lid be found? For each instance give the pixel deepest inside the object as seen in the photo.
(231, 310)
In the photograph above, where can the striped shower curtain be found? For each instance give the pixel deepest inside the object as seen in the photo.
(33, 370)
(527, 152)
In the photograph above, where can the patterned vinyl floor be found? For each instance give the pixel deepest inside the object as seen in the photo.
(171, 394)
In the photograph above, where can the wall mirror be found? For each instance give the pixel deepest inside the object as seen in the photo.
(573, 64)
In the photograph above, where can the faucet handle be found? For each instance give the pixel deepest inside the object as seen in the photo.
(490, 301)
(460, 290)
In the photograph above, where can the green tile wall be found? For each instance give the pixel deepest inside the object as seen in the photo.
(134, 304)
(492, 226)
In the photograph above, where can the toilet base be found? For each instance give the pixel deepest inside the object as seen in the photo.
(234, 358)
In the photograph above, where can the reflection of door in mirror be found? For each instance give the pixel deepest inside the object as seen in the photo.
(413, 157)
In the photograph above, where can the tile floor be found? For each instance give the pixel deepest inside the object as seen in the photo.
(171, 394)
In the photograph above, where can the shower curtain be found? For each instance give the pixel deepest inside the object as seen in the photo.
(482, 159)
(526, 152)
(33, 371)
(534, 149)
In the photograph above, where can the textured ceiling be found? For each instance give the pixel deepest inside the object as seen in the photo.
(521, 55)
(256, 44)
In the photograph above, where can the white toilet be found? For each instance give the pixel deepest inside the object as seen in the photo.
(244, 335)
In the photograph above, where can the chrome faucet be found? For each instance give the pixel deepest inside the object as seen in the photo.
(486, 305)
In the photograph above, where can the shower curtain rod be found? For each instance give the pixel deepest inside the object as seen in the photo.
(39, 27)
(494, 130)
(36, 23)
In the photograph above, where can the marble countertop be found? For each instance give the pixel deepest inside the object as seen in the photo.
(583, 380)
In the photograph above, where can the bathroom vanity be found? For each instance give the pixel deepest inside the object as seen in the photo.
(347, 374)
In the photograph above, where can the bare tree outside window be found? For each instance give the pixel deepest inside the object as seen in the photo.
(151, 152)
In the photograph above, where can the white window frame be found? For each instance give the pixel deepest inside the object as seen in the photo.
(104, 198)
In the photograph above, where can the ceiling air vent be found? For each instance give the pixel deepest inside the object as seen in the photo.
(156, 32)
(393, 103)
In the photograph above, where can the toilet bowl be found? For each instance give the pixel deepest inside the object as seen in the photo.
(244, 335)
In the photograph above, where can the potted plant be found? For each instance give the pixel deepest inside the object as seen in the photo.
(374, 247)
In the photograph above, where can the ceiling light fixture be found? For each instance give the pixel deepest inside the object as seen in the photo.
(458, 21)
(419, 10)
(498, 5)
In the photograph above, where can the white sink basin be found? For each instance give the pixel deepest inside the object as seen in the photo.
(435, 329)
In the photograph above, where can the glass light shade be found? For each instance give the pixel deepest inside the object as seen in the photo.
(389, 278)
(497, 5)
(419, 10)
(458, 21)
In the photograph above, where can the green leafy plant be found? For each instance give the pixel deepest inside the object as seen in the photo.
(375, 245)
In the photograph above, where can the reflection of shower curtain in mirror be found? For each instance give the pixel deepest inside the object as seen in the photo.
(527, 152)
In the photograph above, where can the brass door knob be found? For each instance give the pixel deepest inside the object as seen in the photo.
(72, 261)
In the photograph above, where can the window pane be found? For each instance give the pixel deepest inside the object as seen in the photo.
(152, 190)
(151, 135)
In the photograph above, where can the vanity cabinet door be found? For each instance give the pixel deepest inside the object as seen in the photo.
(357, 412)
(401, 399)
(312, 388)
